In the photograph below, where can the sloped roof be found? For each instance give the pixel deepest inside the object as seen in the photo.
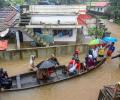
(101, 4)
(81, 19)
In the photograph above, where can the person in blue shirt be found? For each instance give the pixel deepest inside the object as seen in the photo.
(111, 49)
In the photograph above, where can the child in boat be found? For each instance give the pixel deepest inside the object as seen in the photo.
(32, 62)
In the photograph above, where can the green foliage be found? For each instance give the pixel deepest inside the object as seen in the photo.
(97, 32)
(92, 31)
(115, 8)
(117, 21)
(15, 2)
(3, 3)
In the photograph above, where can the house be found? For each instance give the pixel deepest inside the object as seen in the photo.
(100, 7)
(62, 22)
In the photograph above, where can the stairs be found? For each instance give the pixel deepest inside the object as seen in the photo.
(24, 19)
(32, 35)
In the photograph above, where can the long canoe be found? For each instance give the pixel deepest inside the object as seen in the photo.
(29, 80)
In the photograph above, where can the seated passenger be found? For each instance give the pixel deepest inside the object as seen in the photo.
(5, 81)
(3, 74)
(78, 65)
(89, 61)
(73, 66)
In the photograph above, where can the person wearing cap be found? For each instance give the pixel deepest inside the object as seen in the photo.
(76, 53)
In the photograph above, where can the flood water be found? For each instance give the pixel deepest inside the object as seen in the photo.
(85, 87)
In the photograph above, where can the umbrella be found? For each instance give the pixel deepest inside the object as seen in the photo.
(95, 42)
(110, 39)
(45, 65)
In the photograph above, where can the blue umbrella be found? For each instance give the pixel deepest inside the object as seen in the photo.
(110, 39)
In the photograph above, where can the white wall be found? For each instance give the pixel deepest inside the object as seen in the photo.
(58, 9)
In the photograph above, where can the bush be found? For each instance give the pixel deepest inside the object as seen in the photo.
(117, 21)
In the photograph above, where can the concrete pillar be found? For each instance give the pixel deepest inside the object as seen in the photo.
(79, 35)
(18, 40)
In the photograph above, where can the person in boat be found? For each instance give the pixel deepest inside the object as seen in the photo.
(32, 62)
(95, 53)
(111, 49)
(54, 60)
(5, 81)
(89, 62)
(74, 66)
(76, 53)
(101, 52)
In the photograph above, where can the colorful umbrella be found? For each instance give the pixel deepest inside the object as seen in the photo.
(96, 41)
(109, 39)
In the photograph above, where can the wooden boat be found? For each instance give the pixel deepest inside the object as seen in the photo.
(109, 92)
(29, 80)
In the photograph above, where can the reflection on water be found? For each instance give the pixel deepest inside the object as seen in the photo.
(85, 87)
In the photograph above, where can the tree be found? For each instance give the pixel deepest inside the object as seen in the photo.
(3, 3)
(115, 8)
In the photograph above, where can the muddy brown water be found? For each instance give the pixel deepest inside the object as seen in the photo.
(85, 87)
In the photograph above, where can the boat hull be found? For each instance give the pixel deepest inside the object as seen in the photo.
(28, 80)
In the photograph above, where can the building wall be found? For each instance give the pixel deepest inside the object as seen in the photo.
(42, 51)
(99, 9)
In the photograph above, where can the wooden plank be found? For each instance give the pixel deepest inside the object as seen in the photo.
(18, 82)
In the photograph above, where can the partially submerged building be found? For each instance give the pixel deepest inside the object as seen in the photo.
(98, 7)
(62, 22)
(49, 24)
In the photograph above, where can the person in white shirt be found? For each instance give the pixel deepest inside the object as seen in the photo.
(95, 53)
(32, 62)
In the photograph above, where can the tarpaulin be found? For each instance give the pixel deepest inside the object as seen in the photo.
(3, 44)
(4, 33)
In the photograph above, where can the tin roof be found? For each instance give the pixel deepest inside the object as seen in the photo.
(101, 4)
